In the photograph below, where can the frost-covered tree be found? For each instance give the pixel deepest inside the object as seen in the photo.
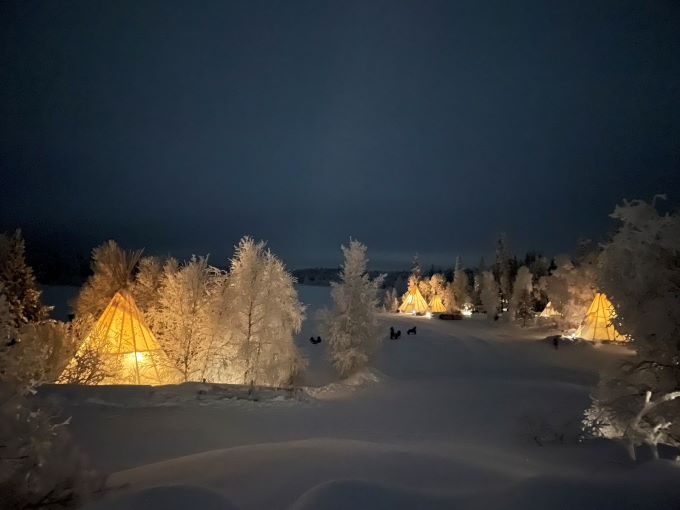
(391, 300)
(437, 285)
(85, 363)
(521, 303)
(39, 467)
(416, 270)
(502, 270)
(461, 284)
(425, 289)
(638, 400)
(489, 294)
(449, 298)
(147, 282)
(179, 319)
(112, 268)
(351, 326)
(20, 287)
(571, 289)
(266, 314)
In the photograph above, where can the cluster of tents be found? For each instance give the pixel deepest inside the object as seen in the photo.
(597, 325)
(414, 303)
(121, 334)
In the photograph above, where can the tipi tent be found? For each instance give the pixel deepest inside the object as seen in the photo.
(598, 322)
(131, 354)
(549, 311)
(436, 305)
(413, 301)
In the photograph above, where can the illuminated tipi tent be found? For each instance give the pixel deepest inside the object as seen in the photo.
(413, 301)
(436, 305)
(131, 354)
(598, 322)
(549, 311)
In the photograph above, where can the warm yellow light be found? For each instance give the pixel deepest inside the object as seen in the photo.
(467, 310)
(136, 357)
(428, 315)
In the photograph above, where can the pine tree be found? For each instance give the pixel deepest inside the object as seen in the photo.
(502, 270)
(416, 270)
(351, 326)
(461, 284)
(17, 278)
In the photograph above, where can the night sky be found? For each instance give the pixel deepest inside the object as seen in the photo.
(416, 126)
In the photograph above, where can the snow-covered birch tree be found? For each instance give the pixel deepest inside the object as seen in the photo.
(638, 400)
(265, 315)
(351, 326)
(179, 319)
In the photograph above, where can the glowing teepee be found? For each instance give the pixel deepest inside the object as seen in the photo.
(436, 305)
(413, 302)
(549, 311)
(131, 353)
(598, 322)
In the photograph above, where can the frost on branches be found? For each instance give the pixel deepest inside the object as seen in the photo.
(265, 315)
(16, 277)
(449, 298)
(571, 289)
(112, 268)
(490, 294)
(638, 400)
(39, 468)
(391, 300)
(351, 326)
(521, 302)
(179, 319)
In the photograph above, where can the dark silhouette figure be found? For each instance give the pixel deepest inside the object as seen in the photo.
(556, 342)
(393, 335)
(316, 340)
(397, 335)
(411, 331)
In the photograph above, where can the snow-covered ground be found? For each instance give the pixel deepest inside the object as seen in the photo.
(466, 414)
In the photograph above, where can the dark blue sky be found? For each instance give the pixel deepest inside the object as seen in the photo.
(414, 126)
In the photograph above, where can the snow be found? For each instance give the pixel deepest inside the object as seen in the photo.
(466, 414)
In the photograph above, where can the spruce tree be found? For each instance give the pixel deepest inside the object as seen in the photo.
(18, 281)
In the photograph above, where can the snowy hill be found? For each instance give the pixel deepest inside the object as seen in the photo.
(466, 414)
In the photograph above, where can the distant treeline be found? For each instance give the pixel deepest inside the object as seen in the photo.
(323, 276)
